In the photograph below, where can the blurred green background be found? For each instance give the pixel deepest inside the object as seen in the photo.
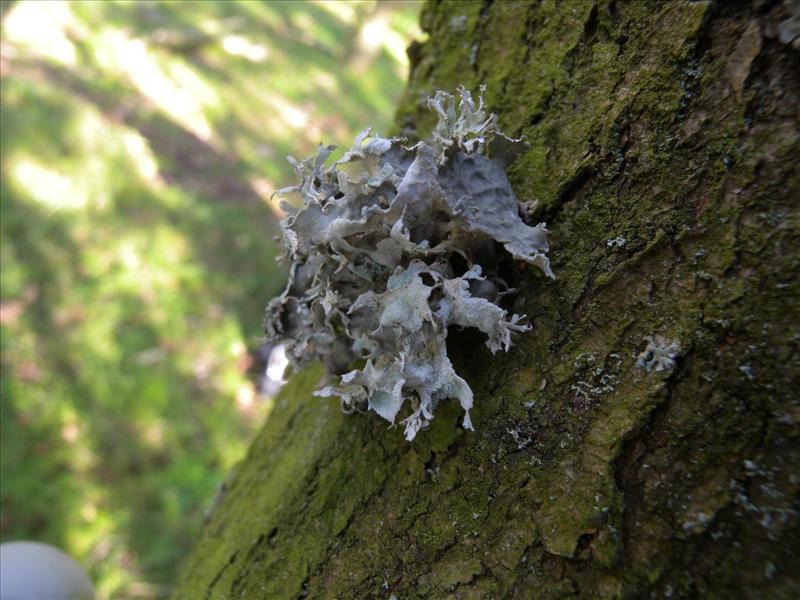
(140, 145)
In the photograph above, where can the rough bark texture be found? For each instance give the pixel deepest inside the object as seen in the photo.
(675, 127)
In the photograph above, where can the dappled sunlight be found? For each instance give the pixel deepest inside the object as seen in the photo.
(142, 157)
(43, 29)
(238, 45)
(266, 191)
(345, 10)
(376, 34)
(325, 81)
(304, 26)
(87, 183)
(246, 399)
(291, 115)
(142, 147)
(49, 188)
(179, 92)
(396, 44)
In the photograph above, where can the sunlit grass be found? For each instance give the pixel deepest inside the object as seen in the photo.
(141, 144)
(43, 30)
(170, 85)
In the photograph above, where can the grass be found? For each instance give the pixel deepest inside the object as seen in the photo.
(140, 145)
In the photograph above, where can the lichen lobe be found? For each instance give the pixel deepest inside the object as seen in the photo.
(394, 244)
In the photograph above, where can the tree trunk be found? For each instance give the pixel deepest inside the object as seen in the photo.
(664, 144)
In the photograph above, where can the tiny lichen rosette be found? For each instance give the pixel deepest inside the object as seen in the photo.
(390, 250)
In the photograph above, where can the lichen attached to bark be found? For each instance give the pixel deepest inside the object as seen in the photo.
(392, 249)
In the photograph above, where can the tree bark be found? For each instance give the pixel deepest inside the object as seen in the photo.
(664, 151)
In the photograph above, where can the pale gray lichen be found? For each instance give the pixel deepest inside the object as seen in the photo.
(659, 353)
(391, 247)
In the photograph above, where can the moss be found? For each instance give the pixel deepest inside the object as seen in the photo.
(453, 571)
(595, 482)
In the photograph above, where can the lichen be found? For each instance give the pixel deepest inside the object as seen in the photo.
(390, 251)
(659, 353)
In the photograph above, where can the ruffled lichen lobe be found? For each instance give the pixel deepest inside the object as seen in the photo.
(393, 245)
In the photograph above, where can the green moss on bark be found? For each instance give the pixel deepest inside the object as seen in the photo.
(671, 126)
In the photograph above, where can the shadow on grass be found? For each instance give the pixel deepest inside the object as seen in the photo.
(213, 180)
(155, 491)
(108, 408)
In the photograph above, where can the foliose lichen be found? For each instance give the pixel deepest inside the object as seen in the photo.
(392, 246)
(660, 353)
